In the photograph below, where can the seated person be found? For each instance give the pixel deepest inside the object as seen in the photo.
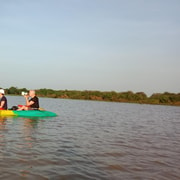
(32, 103)
(3, 100)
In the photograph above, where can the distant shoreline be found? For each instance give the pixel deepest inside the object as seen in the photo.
(165, 98)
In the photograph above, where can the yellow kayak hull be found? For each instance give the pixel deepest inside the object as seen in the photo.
(7, 113)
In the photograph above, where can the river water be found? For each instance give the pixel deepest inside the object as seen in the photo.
(91, 140)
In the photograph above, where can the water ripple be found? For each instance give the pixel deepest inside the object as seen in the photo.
(92, 140)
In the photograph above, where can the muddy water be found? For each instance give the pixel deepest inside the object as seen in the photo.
(92, 140)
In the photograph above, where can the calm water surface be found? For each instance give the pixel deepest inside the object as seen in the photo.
(92, 140)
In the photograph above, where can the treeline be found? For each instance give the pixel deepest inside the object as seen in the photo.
(129, 96)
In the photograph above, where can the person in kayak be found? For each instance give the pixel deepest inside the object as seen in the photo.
(3, 100)
(32, 103)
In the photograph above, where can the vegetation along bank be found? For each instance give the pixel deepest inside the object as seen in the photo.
(165, 98)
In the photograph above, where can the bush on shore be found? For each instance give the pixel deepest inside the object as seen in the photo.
(129, 96)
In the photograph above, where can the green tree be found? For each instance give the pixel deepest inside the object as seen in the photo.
(13, 90)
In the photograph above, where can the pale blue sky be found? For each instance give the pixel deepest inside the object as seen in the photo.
(106, 45)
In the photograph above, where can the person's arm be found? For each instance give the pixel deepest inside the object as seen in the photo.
(2, 104)
(28, 103)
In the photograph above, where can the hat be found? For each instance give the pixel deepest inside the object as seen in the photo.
(2, 91)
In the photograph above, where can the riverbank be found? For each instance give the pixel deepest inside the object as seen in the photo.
(165, 98)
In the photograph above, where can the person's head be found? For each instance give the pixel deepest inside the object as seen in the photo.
(32, 93)
(2, 92)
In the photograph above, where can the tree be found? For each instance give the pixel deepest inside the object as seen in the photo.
(13, 90)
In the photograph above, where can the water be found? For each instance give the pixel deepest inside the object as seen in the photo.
(91, 140)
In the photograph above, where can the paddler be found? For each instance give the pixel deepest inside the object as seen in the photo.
(32, 103)
(3, 100)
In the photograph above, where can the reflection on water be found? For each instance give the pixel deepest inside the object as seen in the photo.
(2, 123)
(2, 128)
(92, 140)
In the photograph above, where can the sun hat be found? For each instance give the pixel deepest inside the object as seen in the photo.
(2, 91)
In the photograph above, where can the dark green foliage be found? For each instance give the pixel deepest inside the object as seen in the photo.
(13, 90)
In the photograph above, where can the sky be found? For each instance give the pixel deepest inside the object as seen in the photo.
(104, 45)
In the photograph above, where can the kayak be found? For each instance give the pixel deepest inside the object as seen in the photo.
(29, 113)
